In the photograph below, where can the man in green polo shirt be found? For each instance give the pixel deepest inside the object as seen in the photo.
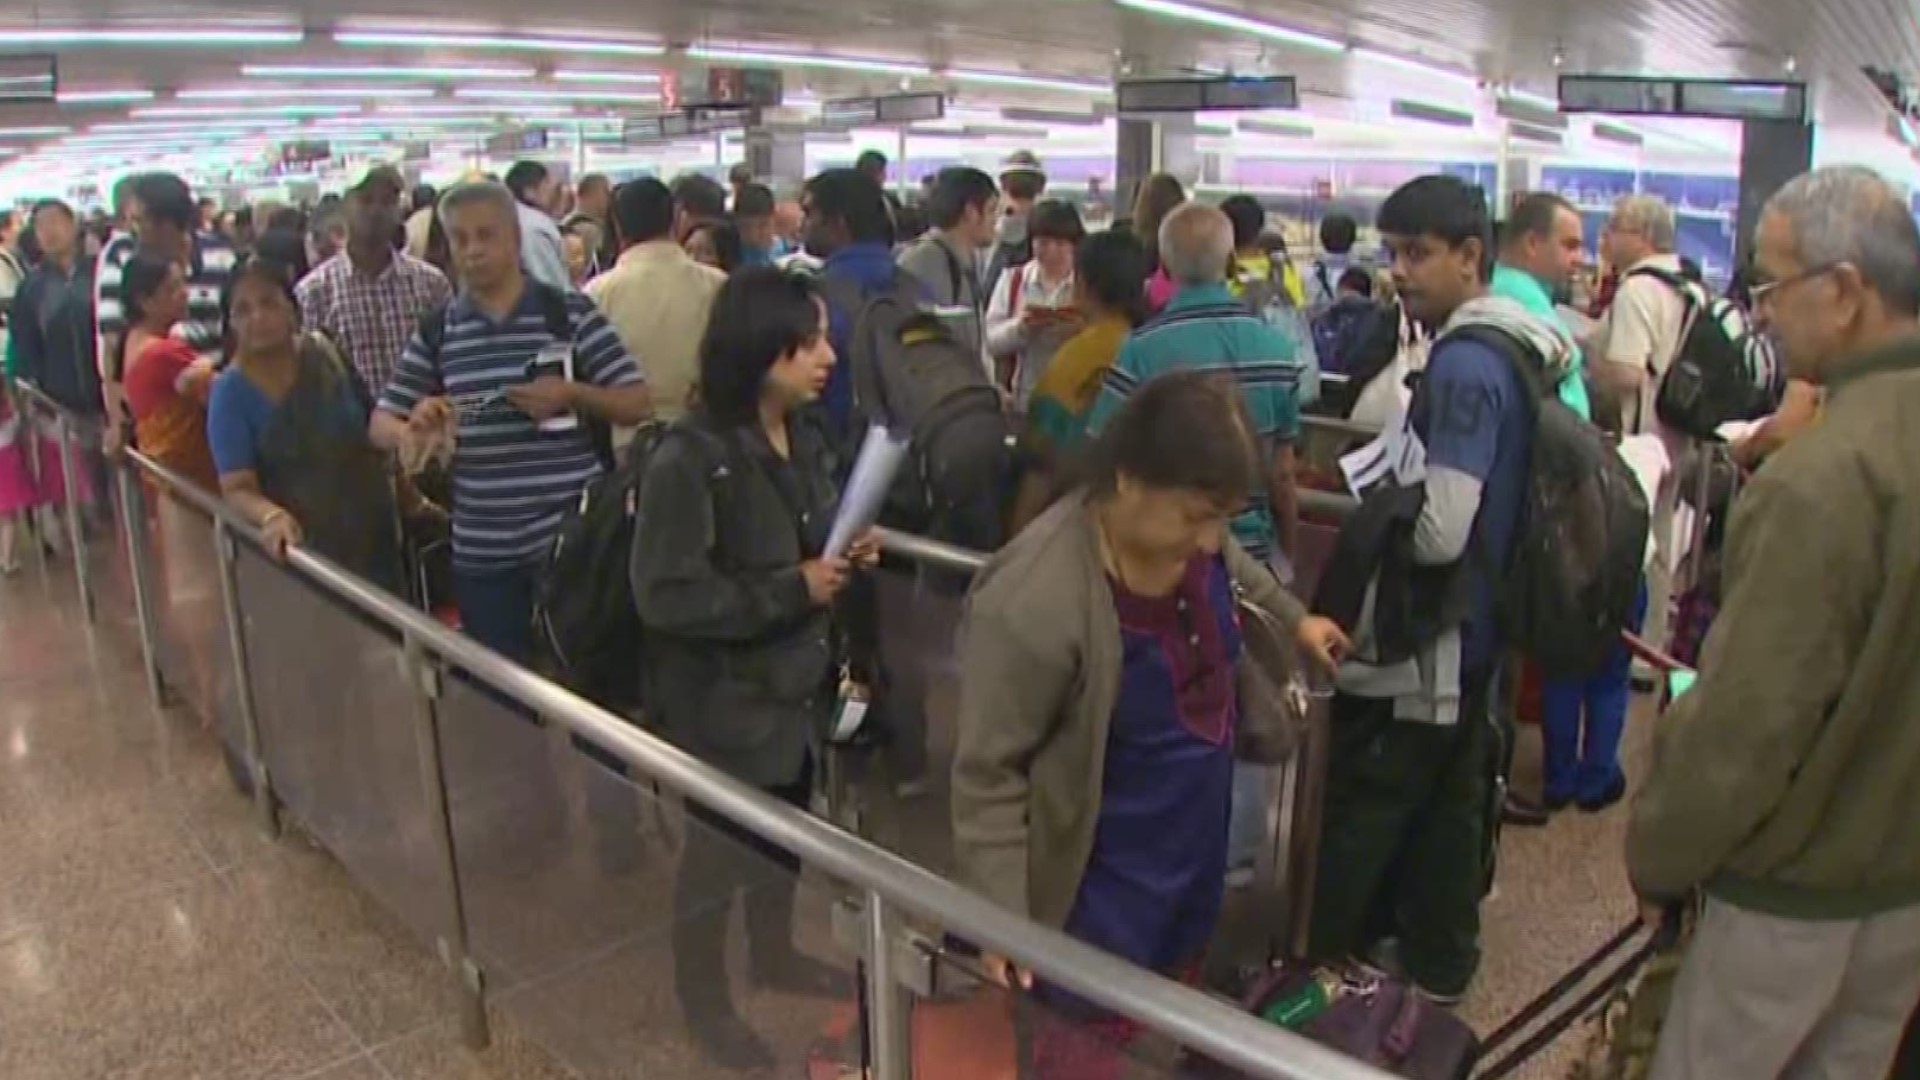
(1540, 249)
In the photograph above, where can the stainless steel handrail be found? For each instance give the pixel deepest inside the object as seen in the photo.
(1196, 1022)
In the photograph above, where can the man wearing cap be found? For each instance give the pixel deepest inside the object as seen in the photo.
(1022, 182)
(369, 297)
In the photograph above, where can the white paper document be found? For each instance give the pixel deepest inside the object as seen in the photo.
(1397, 454)
(873, 473)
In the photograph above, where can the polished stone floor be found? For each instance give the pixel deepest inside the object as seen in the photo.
(150, 928)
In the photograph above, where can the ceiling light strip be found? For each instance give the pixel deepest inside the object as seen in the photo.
(101, 97)
(270, 93)
(816, 60)
(381, 71)
(495, 41)
(217, 111)
(1226, 20)
(485, 93)
(200, 37)
(575, 75)
(1008, 78)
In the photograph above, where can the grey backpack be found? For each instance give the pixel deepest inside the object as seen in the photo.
(912, 376)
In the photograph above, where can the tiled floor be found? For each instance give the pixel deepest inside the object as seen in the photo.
(148, 928)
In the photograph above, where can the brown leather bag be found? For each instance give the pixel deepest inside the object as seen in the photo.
(1273, 700)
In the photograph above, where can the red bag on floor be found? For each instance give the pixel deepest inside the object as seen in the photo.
(971, 1039)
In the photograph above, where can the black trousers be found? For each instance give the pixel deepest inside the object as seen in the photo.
(720, 861)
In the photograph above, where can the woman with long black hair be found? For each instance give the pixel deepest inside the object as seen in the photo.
(731, 579)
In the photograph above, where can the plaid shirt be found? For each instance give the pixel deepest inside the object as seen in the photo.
(371, 318)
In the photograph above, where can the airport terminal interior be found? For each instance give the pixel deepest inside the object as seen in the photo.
(264, 822)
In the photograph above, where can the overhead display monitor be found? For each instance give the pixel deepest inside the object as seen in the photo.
(744, 86)
(1203, 95)
(1716, 99)
(524, 140)
(28, 78)
(891, 109)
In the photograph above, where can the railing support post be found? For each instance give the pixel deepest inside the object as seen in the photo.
(133, 522)
(889, 1001)
(423, 680)
(227, 554)
(70, 479)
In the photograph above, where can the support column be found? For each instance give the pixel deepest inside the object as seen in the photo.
(778, 157)
(1147, 145)
(1772, 152)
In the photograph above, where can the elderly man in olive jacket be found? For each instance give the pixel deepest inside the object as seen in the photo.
(1786, 783)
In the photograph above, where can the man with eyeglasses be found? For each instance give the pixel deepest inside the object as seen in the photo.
(1634, 346)
(1786, 783)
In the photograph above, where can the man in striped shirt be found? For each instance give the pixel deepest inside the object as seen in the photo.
(515, 360)
(162, 214)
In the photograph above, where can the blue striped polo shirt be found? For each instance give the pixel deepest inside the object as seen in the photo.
(1205, 328)
(511, 481)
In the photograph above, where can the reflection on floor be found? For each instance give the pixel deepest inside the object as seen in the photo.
(148, 928)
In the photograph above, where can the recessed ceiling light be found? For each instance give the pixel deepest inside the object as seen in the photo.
(378, 71)
(268, 93)
(212, 35)
(838, 63)
(573, 75)
(101, 97)
(498, 41)
(1227, 20)
(504, 93)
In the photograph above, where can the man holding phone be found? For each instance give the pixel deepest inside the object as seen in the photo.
(1031, 313)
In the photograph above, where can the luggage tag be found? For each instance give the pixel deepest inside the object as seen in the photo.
(850, 711)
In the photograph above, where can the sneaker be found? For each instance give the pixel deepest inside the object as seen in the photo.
(1445, 1001)
(1522, 813)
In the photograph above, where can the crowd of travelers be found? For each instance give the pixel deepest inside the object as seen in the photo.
(1116, 417)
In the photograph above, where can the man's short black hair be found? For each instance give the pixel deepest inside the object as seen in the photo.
(524, 177)
(958, 188)
(1338, 233)
(1533, 216)
(871, 161)
(1249, 220)
(853, 198)
(753, 201)
(643, 209)
(700, 195)
(166, 198)
(1056, 219)
(1445, 208)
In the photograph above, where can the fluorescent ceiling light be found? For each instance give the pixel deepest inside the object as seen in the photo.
(1007, 78)
(496, 41)
(450, 109)
(570, 75)
(838, 63)
(378, 71)
(1538, 101)
(269, 93)
(212, 35)
(32, 132)
(502, 93)
(219, 111)
(1429, 70)
(101, 97)
(1172, 9)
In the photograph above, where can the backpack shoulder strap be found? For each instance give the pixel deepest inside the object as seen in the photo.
(1519, 355)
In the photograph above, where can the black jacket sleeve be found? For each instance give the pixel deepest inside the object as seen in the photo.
(677, 586)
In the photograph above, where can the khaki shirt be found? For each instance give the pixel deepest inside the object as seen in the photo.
(1643, 329)
(657, 299)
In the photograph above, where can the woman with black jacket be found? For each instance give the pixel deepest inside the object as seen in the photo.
(741, 656)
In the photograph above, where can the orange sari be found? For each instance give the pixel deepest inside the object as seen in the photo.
(171, 426)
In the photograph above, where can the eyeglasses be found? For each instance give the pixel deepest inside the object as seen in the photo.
(1761, 291)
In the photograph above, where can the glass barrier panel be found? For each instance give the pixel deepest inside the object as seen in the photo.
(579, 891)
(190, 622)
(338, 727)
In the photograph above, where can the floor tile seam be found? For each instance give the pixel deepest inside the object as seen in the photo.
(325, 1067)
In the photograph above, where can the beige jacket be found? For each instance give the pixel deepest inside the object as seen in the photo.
(1040, 666)
(1787, 781)
(658, 299)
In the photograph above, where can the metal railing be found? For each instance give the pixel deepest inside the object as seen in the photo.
(889, 890)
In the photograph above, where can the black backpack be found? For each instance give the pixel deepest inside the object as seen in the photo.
(583, 602)
(1573, 574)
(913, 377)
(1711, 380)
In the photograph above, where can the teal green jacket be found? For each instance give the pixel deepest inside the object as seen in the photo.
(1525, 289)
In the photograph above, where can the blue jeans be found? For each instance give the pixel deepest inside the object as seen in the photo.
(1587, 770)
(496, 609)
